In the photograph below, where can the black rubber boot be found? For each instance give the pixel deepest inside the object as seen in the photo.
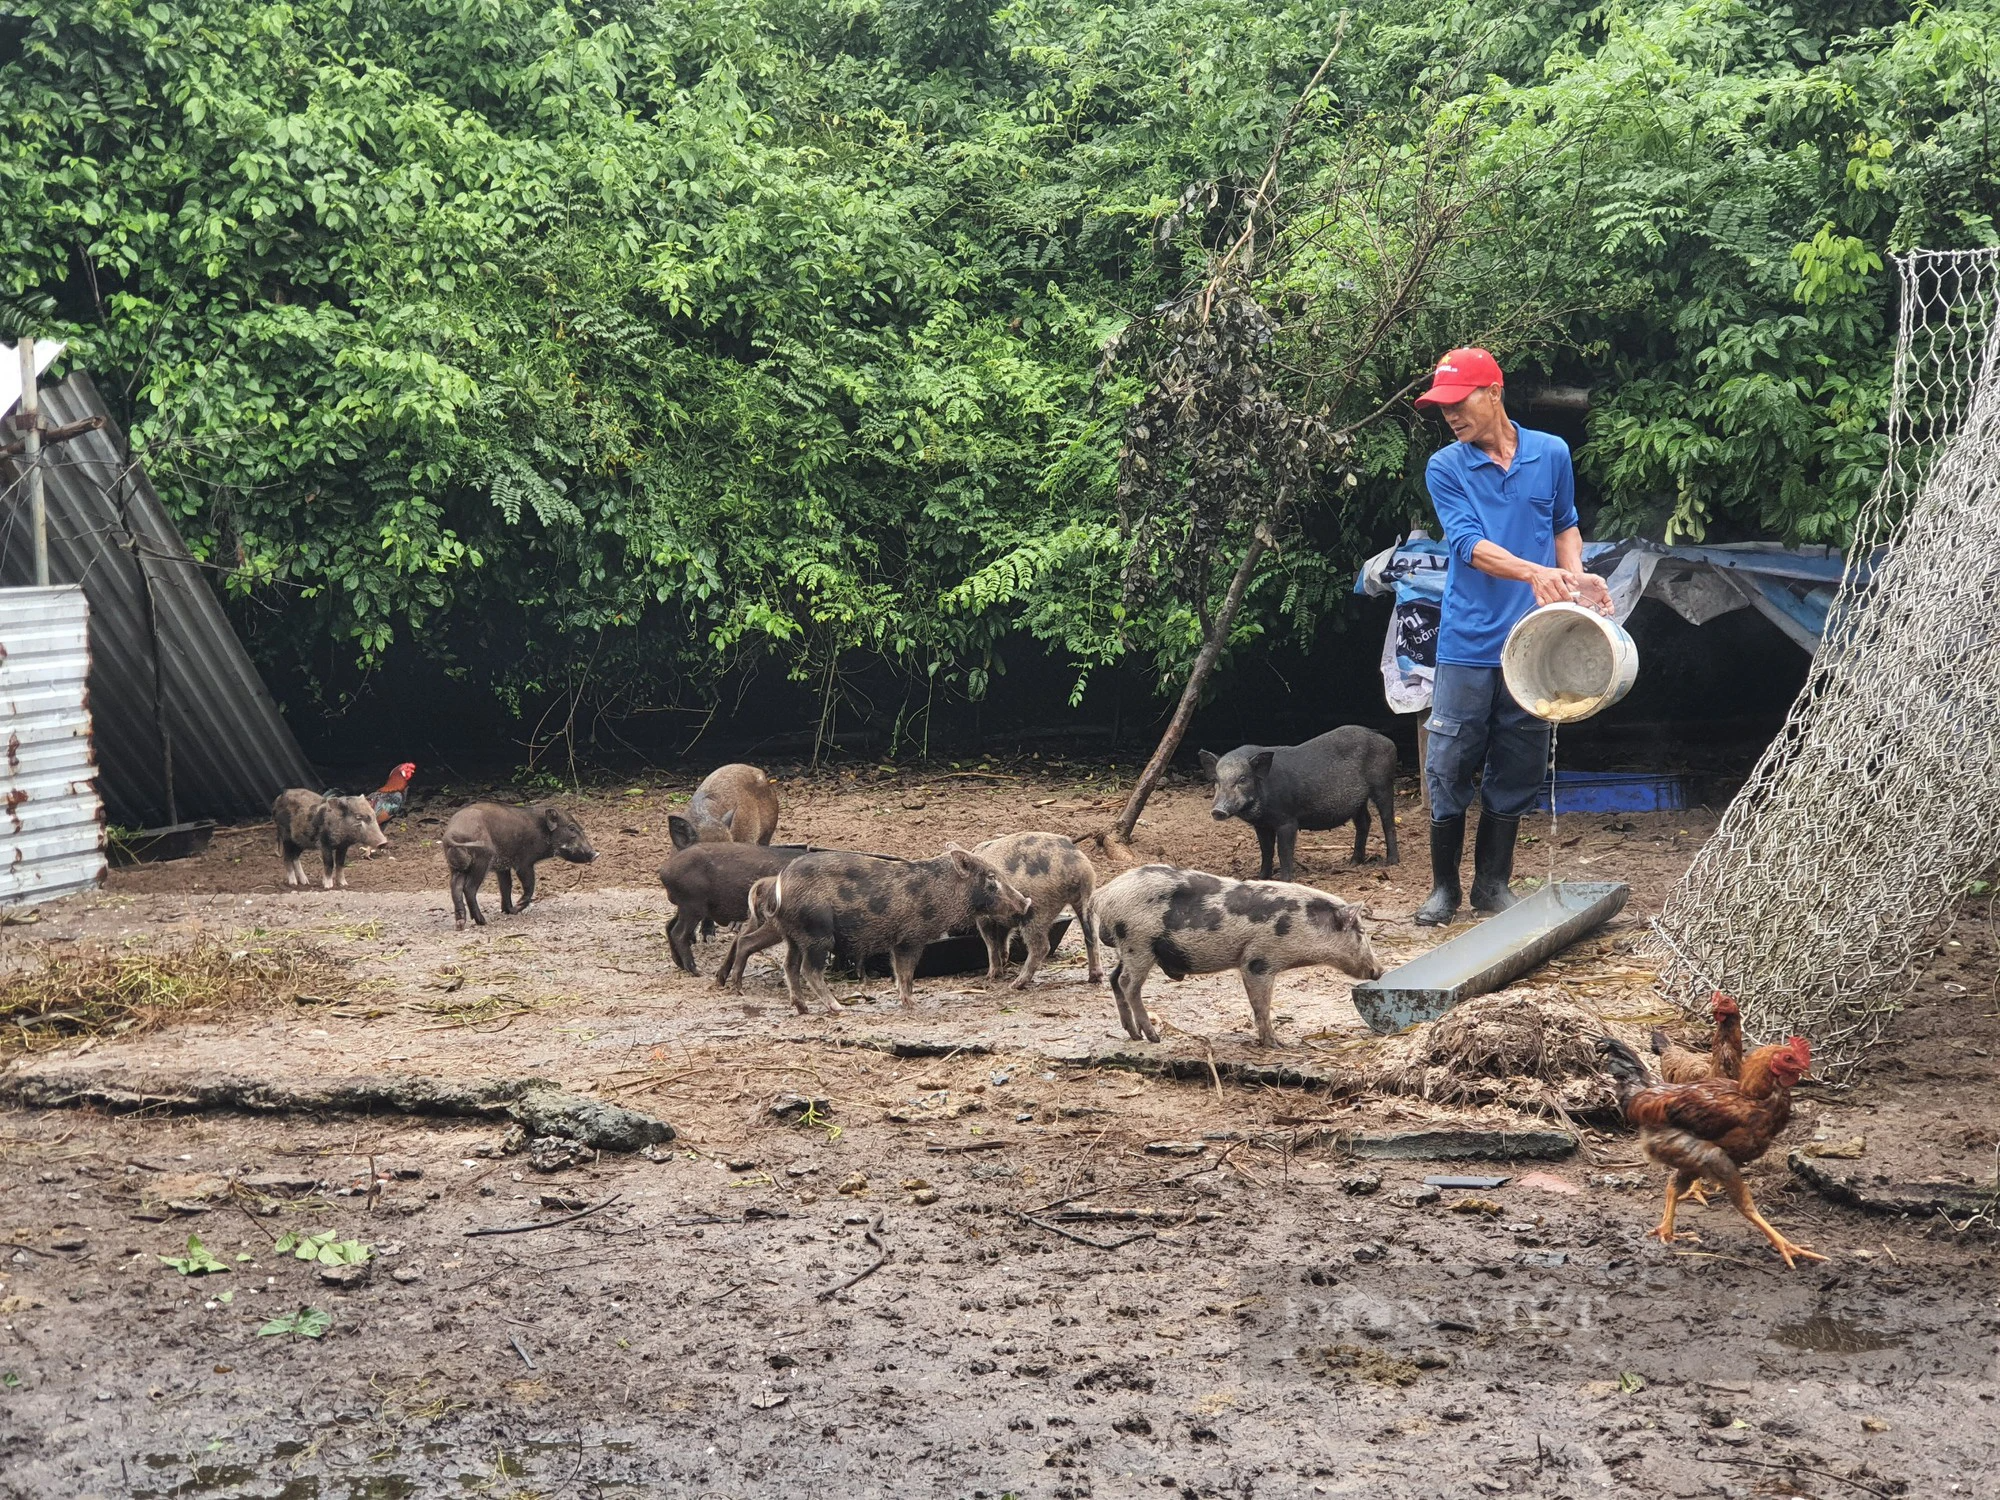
(1493, 862)
(1447, 846)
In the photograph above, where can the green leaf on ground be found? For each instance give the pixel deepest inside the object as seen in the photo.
(307, 1322)
(199, 1260)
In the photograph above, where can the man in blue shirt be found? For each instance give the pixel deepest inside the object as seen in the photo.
(1506, 496)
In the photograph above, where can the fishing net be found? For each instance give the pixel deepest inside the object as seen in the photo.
(1831, 878)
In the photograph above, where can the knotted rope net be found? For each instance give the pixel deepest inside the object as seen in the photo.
(1832, 877)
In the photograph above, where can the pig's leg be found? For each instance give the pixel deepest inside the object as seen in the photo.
(340, 865)
(903, 963)
(1361, 834)
(677, 941)
(1266, 845)
(506, 878)
(795, 975)
(816, 957)
(1088, 920)
(1288, 838)
(527, 887)
(1036, 936)
(472, 880)
(1385, 805)
(458, 899)
(326, 862)
(994, 935)
(1258, 982)
(752, 942)
(1127, 979)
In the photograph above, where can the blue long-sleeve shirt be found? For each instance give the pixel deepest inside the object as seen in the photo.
(1522, 508)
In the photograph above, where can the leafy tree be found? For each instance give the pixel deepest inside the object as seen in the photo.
(606, 359)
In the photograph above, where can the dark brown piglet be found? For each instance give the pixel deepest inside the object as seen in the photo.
(512, 841)
(710, 884)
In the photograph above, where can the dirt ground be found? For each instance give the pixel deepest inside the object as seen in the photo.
(999, 1263)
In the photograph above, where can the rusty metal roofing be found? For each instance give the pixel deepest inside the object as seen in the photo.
(185, 727)
(51, 826)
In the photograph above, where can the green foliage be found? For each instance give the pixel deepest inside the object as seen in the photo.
(306, 1323)
(604, 355)
(199, 1260)
(326, 1249)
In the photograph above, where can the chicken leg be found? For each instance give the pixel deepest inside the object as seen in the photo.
(1679, 1186)
(1739, 1194)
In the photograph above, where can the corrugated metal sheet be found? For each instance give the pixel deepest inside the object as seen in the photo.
(51, 825)
(185, 728)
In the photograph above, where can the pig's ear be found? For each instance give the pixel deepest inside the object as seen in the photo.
(1260, 763)
(1208, 764)
(680, 830)
(961, 861)
(552, 819)
(729, 820)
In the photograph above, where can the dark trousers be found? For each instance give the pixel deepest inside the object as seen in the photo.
(1475, 726)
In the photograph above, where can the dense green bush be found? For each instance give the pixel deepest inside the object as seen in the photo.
(604, 353)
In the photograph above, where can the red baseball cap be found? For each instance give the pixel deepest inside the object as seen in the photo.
(1458, 375)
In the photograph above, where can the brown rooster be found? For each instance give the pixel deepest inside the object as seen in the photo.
(1713, 1127)
(1680, 1065)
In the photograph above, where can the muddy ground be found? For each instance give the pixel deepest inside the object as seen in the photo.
(1017, 1267)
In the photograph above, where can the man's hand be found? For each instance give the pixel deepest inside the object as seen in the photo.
(1593, 593)
(1562, 586)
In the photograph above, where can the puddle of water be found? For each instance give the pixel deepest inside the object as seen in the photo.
(1824, 1334)
(381, 1487)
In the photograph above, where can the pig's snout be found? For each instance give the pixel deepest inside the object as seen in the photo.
(1371, 966)
(1220, 813)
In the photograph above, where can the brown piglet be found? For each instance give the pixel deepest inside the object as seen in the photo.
(512, 841)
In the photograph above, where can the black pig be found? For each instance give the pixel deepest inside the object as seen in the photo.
(511, 840)
(1327, 781)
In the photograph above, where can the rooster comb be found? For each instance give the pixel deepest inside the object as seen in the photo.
(1721, 1004)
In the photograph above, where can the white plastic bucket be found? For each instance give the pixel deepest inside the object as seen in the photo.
(1563, 662)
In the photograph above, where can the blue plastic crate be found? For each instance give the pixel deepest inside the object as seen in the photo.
(1617, 791)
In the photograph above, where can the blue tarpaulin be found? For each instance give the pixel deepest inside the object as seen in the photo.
(1793, 587)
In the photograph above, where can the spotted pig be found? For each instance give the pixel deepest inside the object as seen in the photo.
(1053, 874)
(866, 905)
(335, 824)
(1191, 922)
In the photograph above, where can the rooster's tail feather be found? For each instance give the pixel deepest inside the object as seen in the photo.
(1623, 1064)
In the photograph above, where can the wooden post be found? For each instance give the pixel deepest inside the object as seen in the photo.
(1204, 663)
(31, 458)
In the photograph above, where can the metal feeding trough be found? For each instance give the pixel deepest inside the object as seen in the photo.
(955, 953)
(1496, 952)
